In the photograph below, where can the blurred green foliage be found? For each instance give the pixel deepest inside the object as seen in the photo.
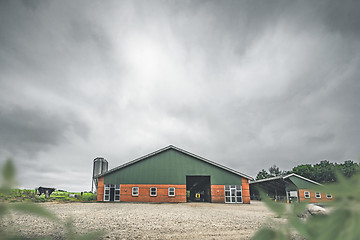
(274, 171)
(8, 175)
(322, 172)
(76, 196)
(325, 171)
(29, 208)
(342, 221)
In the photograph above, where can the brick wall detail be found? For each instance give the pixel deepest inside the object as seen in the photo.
(245, 190)
(312, 198)
(218, 193)
(144, 193)
(100, 189)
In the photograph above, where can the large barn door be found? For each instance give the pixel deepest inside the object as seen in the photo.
(198, 189)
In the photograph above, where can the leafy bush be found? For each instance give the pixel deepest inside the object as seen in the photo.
(342, 222)
(30, 208)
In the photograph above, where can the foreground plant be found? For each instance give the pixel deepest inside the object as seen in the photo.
(342, 222)
(8, 181)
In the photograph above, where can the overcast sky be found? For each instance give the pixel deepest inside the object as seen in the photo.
(247, 84)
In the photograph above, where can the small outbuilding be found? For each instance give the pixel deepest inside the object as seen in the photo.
(290, 188)
(172, 174)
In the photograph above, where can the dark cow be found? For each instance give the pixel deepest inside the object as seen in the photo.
(44, 190)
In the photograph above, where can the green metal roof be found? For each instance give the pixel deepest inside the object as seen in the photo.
(302, 182)
(172, 163)
(299, 181)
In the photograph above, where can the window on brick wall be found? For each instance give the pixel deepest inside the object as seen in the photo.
(117, 193)
(135, 191)
(107, 192)
(171, 191)
(317, 194)
(153, 191)
(307, 194)
(233, 194)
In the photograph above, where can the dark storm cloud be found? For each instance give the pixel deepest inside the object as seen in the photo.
(30, 131)
(342, 17)
(319, 99)
(47, 41)
(247, 84)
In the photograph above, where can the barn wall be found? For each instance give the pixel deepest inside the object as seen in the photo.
(245, 190)
(217, 193)
(312, 198)
(170, 167)
(100, 189)
(144, 193)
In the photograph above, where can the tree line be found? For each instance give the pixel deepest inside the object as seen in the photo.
(322, 172)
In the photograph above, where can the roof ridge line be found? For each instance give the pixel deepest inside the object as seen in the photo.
(177, 149)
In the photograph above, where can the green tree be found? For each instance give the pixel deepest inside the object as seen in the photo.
(305, 170)
(263, 174)
(274, 171)
(348, 168)
(324, 172)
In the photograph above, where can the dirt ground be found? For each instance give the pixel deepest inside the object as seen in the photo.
(151, 221)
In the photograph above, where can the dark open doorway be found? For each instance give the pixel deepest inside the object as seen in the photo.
(198, 189)
(112, 193)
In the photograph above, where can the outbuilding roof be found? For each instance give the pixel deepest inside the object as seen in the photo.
(285, 177)
(180, 150)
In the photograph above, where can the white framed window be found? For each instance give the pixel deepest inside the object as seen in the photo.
(153, 191)
(233, 194)
(135, 191)
(317, 194)
(117, 193)
(307, 194)
(328, 195)
(171, 192)
(106, 192)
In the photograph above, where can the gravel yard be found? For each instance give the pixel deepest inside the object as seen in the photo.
(151, 221)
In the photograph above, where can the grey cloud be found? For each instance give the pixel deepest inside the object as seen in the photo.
(247, 84)
(49, 41)
(34, 130)
(342, 17)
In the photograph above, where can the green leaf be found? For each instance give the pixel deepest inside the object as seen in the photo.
(298, 208)
(3, 209)
(69, 228)
(71, 235)
(269, 234)
(34, 209)
(332, 226)
(276, 207)
(8, 170)
(89, 236)
(8, 173)
(301, 228)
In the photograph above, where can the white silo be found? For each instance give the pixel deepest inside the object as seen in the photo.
(100, 166)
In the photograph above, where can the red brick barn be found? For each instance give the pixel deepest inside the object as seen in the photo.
(173, 175)
(290, 188)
